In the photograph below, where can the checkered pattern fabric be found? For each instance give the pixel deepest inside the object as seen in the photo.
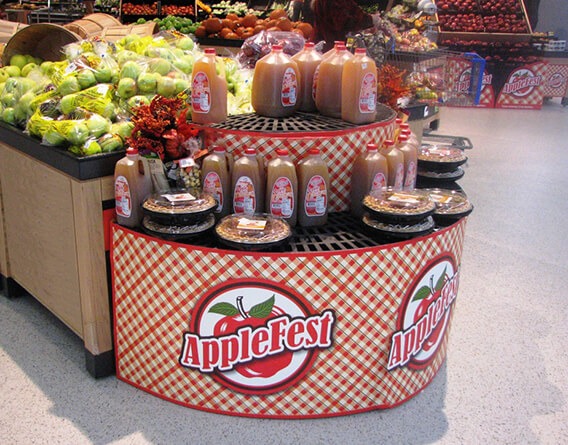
(156, 284)
(556, 84)
(533, 100)
(338, 148)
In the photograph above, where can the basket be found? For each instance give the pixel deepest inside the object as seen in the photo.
(115, 33)
(92, 25)
(43, 40)
(8, 29)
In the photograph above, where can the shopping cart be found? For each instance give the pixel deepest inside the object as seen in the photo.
(440, 76)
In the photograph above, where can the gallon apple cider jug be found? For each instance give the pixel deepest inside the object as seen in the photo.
(359, 89)
(308, 61)
(217, 180)
(328, 83)
(248, 189)
(132, 184)
(395, 161)
(276, 85)
(313, 190)
(208, 90)
(282, 188)
(410, 156)
(369, 173)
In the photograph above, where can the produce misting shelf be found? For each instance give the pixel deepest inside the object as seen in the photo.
(332, 324)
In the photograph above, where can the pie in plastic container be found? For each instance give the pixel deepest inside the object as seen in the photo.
(386, 232)
(397, 206)
(440, 158)
(260, 231)
(179, 207)
(178, 232)
(451, 205)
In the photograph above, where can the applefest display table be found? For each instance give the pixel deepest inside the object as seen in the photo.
(332, 324)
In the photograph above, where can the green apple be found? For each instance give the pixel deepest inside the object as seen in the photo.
(185, 43)
(47, 67)
(130, 69)
(91, 148)
(3, 75)
(9, 115)
(9, 100)
(19, 60)
(69, 85)
(126, 88)
(166, 86)
(180, 85)
(78, 134)
(13, 70)
(86, 78)
(25, 102)
(28, 68)
(122, 128)
(183, 65)
(68, 103)
(103, 74)
(136, 101)
(53, 137)
(147, 82)
(126, 56)
(97, 125)
(159, 65)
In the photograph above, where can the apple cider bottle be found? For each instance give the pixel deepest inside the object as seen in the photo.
(359, 89)
(282, 188)
(308, 61)
(217, 180)
(369, 173)
(328, 84)
(313, 190)
(208, 90)
(410, 156)
(276, 85)
(248, 188)
(132, 184)
(395, 161)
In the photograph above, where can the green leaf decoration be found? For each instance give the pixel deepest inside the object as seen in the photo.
(262, 310)
(441, 280)
(423, 292)
(224, 309)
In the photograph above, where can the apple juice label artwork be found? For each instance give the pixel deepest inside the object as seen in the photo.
(424, 315)
(399, 178)
(255, 336)
(212, 185)
(201, 94)
(289, 88)
(315, 82)
(315, 203)
(410, 178)
(368, 94)
(123, 200)
(379, 182)
(244, 198)
(282, 198)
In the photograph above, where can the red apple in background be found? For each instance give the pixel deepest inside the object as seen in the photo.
(258, 315)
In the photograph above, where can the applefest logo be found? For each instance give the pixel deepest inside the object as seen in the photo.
(424, 315)
(255, 336)
(522, 82)
(464, 80)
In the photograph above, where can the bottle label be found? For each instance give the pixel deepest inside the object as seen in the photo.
(282, 198)
(410, 178)
(315, 202)
(122, 197)
(289, 88)
(368, 94)
(244, 199)
(212, 185)
(379, 182)
(201, 93)
(399, 177)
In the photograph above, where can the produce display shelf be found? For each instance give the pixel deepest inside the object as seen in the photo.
(81, 168)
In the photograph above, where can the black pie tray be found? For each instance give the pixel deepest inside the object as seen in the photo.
(169, 216)
(178, 233)
(439, 166)
(451, 205)
(439, 179)
(396, 216)
(385, 232)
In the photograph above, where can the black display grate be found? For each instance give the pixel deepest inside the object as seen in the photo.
(298, 122)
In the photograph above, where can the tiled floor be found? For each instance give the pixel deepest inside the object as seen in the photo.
(505, 380)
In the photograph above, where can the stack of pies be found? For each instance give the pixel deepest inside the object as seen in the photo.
(440, 164)
(178, 214)
(451, 205)
(253, 232)
(395, 215)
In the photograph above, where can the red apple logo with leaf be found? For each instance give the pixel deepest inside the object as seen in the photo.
(235, 318)
(427, 295)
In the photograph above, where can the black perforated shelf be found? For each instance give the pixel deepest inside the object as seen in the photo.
(297, 123)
